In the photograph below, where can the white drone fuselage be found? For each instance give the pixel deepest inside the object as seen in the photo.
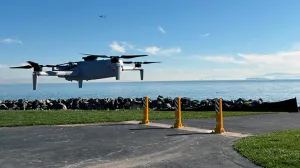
(88, 70)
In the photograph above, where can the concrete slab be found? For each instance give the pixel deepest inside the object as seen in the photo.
(111, 145)
(130, 144)
(254, 124)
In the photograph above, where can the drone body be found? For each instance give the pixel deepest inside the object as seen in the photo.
(89, 69)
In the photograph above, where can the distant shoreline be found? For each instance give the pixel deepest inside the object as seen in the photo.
(200, 80)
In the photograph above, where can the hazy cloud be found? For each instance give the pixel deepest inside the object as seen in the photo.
(221, 59)
(161, 30)
(150, 50)
(11, 41)
(116, 47)
(159, 51)
(205, 35)
(127, 45)
(154, 50)
(3, 66)
(289, 59)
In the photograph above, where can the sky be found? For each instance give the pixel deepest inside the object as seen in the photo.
(193, 39)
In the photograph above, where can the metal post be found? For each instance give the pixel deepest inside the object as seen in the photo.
(178, 123)
(146, 111)
(219, 116)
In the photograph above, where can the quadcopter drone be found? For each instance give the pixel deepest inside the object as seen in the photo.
(89, 69)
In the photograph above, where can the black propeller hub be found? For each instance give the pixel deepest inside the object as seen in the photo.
(138, 64)
(114, 59)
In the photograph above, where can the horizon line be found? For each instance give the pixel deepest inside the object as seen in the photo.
(128, 81)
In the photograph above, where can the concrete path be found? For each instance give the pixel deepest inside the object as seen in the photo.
(129, 144)
(253, 124)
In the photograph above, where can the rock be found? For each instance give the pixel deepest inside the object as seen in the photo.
(3, 107)
(59, 106)
(160, 103)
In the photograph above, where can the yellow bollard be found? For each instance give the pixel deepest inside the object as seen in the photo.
(178, 123)
(219, 117)
(146, 111)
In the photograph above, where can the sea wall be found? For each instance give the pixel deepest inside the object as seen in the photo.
(160, 103)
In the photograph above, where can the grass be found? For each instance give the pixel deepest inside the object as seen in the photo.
(272, 150)
(29, 118)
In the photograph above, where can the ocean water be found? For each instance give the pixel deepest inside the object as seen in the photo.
(273, 90)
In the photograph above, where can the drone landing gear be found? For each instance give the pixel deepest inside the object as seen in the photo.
(118, 72)
(142, 74)
(34, 80)
(80, 83)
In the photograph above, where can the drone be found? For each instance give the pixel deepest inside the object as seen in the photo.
(89, 69)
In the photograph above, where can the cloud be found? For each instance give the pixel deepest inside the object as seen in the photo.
(159, 51)
(11, 41)
(291, 58)
(287, 61)
(150, 50)
(161, 30)
(116, 47)
(205, 35)
(3, 66)
(127, 45)
(222, 59)
(154, 50)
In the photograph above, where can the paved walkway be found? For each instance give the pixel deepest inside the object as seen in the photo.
(129, 144)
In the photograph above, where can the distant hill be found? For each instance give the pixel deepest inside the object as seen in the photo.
(275, 76)
(257, 79)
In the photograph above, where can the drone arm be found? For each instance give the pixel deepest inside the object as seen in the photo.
(127, 68)
(49, 73)
(57, 73)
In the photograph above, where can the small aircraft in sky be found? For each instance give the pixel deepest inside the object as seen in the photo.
(102, 16)
(89, 69)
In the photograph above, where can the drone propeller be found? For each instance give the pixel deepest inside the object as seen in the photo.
(67, 63)
(90, 57)
(139, 64)
(22, 67)
(130, 62)
(34, 65)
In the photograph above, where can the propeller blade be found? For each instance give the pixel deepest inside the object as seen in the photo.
(128, 62)
(131, 56)
(150, 62)
(23, 67)
(95, 55)
(33, 64)
(50, 66)
(67, 63)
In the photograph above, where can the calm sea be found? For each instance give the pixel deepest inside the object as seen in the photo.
(274, 90)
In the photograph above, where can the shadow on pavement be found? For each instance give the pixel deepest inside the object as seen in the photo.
(135, 129)
(196, 133)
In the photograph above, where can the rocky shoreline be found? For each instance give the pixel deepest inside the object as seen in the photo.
(160, 103)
